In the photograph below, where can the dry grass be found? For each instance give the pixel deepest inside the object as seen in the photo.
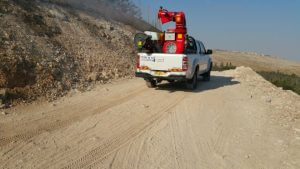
(257, 62)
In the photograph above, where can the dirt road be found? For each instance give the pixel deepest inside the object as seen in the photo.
(238, 120)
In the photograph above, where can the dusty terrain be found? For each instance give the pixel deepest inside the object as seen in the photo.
(256, 61)
(238, 120)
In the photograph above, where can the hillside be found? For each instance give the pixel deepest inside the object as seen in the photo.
(256, 61)
(49, 47)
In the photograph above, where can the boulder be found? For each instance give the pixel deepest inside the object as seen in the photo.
(2, 97)
(92, 77)
(2, 93)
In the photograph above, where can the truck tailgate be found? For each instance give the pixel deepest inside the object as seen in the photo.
(161, 61)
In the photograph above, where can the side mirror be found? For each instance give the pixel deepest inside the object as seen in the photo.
(209, 52)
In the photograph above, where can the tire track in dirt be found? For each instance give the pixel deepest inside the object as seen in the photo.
(173, 124)
(118, 115)
(96, 155)
(114, 113)
(141, 146)
(222, 133)
(60, 124)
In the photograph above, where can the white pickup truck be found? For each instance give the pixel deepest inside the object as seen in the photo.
(188, 67)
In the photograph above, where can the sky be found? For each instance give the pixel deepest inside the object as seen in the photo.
(270, 27)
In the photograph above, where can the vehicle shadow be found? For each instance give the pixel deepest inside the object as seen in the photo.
(214, 83)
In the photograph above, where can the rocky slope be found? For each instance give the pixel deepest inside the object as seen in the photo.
(48, 48)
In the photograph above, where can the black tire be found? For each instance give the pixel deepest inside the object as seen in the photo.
(171, 81)
(206, 76)
(151, 83)
(192, 84)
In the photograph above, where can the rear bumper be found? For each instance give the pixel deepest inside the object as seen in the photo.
(170, 77)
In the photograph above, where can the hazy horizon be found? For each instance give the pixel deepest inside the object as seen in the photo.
(265, 27)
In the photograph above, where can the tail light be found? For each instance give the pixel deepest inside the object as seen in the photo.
(138, 62)
(185, 63)
(162, 37)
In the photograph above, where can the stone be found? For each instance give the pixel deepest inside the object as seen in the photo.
(2, 93)
(2, 97)
(92, 77)
(89, 88)
(145, 106)
(267, 99)
(6, 35)
(247, 156)
(2, 106)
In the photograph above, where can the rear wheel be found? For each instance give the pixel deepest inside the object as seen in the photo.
(206, 76)
(192, 84)
(151, 83)
(171, 81)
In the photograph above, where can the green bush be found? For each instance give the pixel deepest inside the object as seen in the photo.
(287, 82)
(222, 67)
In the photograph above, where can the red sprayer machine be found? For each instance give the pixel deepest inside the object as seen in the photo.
(174, 38)
(172, 41)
